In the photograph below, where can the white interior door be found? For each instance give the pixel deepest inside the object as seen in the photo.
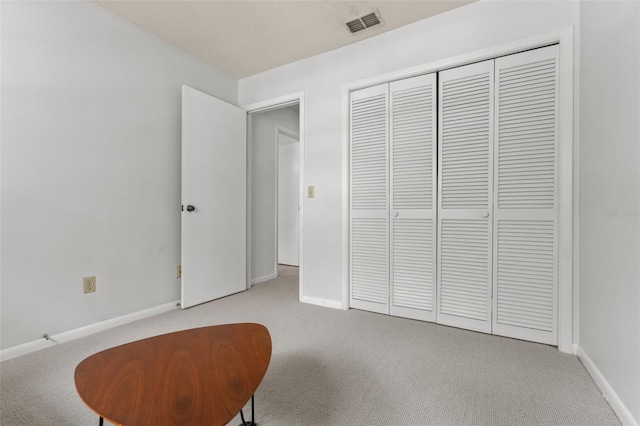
(526, 211)
(466, 196)
(370, 199)
(214, 198)
(288, 200)
(413, 197)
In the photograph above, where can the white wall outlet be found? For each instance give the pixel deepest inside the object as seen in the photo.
(89, 284)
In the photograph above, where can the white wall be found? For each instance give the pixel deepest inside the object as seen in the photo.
(610, 194)
(263, 188)
(90, 160)
(90, 165)
(467, 29)
(609, 163)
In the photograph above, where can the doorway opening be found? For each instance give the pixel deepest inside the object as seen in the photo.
(274, 193)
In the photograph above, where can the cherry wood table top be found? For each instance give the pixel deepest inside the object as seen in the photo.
(202, 376)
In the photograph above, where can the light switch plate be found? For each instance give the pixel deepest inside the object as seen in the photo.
(311, 191)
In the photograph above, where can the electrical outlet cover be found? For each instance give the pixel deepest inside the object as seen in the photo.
(89, 284)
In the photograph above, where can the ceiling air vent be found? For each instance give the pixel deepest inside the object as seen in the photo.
(364, 21)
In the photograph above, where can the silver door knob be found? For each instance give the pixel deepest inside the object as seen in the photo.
(485, 214)
(190, 208)
(395, 214)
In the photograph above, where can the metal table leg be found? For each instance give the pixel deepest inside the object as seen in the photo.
(252, 422)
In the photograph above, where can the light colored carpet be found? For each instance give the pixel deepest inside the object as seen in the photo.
(332, 367)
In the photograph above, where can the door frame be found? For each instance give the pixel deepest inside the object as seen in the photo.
(263, 106)
(568, 289)
(282, 130)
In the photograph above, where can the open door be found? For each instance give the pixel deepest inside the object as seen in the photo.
(214, 198)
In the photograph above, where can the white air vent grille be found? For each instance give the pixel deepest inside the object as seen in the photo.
(364, 21)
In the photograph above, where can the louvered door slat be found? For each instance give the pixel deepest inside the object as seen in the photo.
(464, 291)
(413, 236)
(465, 196)
(369, 151)
(413, 270)
(369, 260)
(525, 220)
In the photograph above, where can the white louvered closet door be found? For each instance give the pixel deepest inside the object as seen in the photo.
(526, 210)
(413, 197)
(369, 199)
(465, 201)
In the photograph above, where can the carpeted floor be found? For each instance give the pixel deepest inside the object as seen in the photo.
(332, 367)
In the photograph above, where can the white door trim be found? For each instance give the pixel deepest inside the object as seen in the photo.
(262, 106)
(568, 186)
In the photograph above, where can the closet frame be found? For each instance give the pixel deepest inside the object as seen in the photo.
(567, 292)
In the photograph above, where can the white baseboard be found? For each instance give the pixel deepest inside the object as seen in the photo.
(574, 349)
(24, 349)
(67, 336)
(335, 304)
(610, 395)
(264, 278)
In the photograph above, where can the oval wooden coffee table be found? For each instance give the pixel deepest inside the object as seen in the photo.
(202, 376)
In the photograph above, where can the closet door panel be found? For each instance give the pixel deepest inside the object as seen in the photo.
(369, 270)
(413, 197)
(526, 211)
(465, 202)
(464, 256)
(369, 239)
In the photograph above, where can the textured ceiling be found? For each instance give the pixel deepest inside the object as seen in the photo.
(244, 37)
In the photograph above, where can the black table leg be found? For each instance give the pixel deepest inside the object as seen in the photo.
(252, 422)
(101, 422)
